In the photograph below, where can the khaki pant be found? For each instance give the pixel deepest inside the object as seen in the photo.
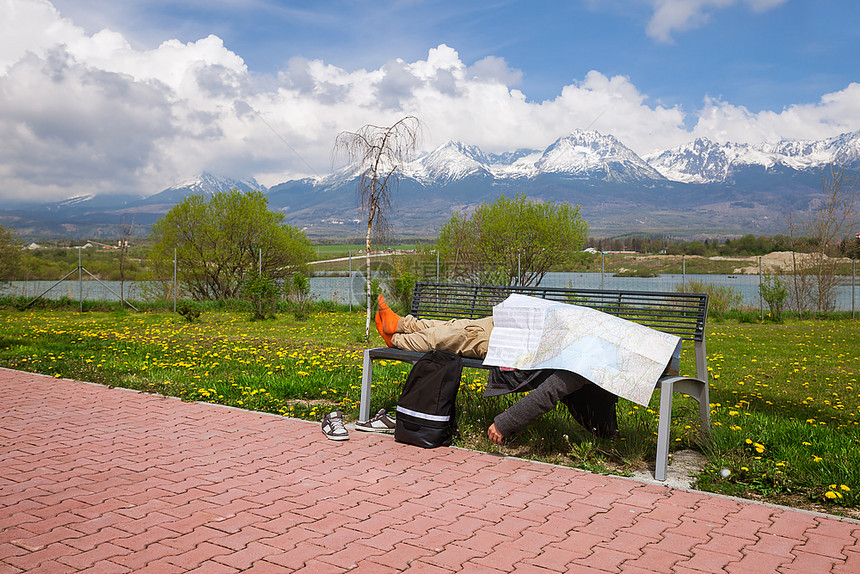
(466, 337)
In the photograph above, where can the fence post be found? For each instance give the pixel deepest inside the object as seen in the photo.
(437, 266)
(349, 252)
(853, 280)
(174, 280)
(80, 281)
(760, 301)
(684, 272)
(602, 267)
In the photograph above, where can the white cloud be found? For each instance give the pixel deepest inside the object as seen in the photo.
(91, 114)
(32, 26)
(66, 125)
(834, 113)
(681, 15)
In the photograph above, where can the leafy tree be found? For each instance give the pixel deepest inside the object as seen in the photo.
(403, 273)
(222, 241)
(381, 153)
(10, 253)
(851, 247)
(512, 241)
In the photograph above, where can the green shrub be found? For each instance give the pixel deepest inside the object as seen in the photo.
(721, 298)
(774, 292)
(189, 311)
(263, 294)
(299, 294)
(401, 287)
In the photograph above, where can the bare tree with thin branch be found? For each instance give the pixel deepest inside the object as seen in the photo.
(381, 153)
(833, 218)
(126, 229)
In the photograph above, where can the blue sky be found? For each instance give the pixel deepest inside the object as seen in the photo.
(790, 53)
(208, 84)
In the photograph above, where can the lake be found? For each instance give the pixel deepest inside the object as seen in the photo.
(351, 289)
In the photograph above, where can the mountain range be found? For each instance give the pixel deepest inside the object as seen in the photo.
(700, 188)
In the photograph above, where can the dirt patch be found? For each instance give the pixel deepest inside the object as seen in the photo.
(783, 262)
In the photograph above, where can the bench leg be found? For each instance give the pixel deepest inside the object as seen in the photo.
(664, 429)
(704, 396)
(366, 379)
(705, 409)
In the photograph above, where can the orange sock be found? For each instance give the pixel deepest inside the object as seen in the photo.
(385, 336)
(386, 321)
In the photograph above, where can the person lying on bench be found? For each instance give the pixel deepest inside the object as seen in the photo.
(590, 405)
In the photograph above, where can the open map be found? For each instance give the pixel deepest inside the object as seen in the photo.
(623, 357)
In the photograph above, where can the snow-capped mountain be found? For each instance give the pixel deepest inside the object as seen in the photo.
(454, 161)
(588, 154)
(205, 184)
(584, 155)
(581, 155)
(704, 161)
(76, 200)
(450, 162)
(697, 187)
(597, 158)
(700, 185)
(699, 161)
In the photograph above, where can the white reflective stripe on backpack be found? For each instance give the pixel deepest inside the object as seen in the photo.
(425, 416)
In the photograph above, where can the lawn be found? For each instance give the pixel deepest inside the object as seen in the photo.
(785, 401)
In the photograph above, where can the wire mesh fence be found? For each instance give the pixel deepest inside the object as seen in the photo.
(348, 287)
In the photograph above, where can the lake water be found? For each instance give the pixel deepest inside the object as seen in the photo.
(348, 290)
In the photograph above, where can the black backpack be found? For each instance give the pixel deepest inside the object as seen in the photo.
(427, 409)
(594, 408)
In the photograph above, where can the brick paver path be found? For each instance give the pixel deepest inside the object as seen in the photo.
(105, 480)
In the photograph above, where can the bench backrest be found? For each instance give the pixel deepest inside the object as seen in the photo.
(681, 314)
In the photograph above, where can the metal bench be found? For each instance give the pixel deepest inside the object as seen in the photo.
(681, 314)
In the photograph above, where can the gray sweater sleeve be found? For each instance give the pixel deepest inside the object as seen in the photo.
(539, 401)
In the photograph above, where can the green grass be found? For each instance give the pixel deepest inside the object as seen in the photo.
(785, 402)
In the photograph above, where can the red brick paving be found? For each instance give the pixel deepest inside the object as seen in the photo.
(94, 479)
